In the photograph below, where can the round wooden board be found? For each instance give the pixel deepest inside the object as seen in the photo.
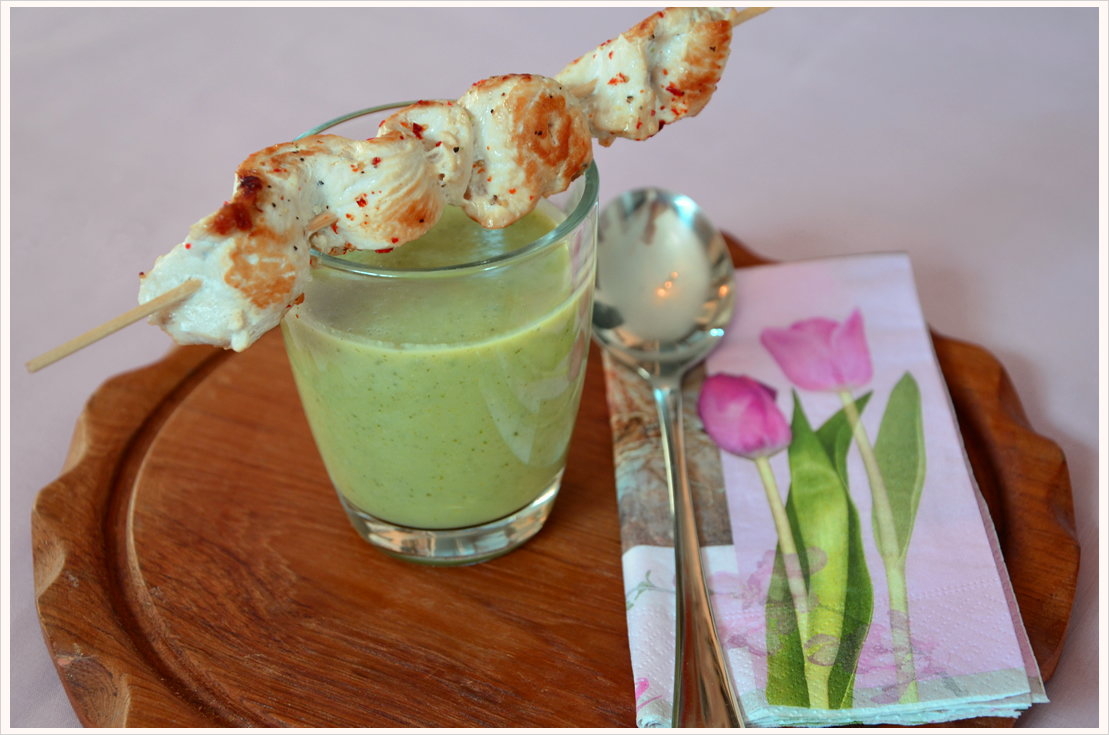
(194, 568)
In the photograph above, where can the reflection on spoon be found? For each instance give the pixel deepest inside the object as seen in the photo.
(665, 292)
(658, 296)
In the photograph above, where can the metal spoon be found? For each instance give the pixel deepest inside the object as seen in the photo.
(664, 294)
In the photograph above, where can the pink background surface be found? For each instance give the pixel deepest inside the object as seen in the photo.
(966, 137)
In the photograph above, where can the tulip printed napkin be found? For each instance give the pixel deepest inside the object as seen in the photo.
(853, 567)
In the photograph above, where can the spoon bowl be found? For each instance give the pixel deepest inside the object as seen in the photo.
(665, 288)
(664, 294)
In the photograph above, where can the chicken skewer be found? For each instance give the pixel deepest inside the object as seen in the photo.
(504, 145)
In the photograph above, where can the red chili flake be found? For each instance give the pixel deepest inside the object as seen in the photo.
(618, 79)
(418, 130)
(142, 275)
(376, 161)
(350, 216)
(652, 113)
(353, 167)
(395, 240)
(279, 170)
(661, 123)
(489, 179)
(385, 250)
(610, 54)
(361, 201)
(299, 299)
(674, 91)
(665, 73)
(511, 191)
(638, 124)
(530, 197)
(188, 245)
(335, 227)
(439, 144)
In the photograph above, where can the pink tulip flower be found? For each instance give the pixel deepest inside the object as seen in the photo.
(740, 415)
(821, 354)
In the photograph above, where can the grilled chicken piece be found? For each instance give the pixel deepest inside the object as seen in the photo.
(663, 69)
(252, 255)
(444, 130)
(531, 140)
(505, 144)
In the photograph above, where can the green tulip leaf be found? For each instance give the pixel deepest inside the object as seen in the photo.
(785, 663)
(857, 614)
(826, 526)
(818, 514)
(836, 436)
(899, 452)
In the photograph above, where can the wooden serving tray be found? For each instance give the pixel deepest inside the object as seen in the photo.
(193, 566)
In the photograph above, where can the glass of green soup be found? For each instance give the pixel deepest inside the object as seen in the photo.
(441, 380)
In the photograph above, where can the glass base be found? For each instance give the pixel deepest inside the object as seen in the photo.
(455, 546)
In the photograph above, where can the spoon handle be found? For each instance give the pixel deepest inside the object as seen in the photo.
(703, 692)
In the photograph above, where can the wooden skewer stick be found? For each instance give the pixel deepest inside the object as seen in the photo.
(111, 326)
(174, 295)
(584, 90)
(322, 220)
(746, 14)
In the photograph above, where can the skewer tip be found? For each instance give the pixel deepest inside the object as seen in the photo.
(174, 295)
(745, 15)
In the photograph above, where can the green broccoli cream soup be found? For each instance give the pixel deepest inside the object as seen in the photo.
(444, 397)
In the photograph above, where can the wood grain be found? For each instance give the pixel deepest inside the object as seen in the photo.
(193, 566)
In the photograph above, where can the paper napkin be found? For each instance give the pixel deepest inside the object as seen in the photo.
(809, 636)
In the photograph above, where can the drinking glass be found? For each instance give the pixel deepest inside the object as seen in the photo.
(442, 399)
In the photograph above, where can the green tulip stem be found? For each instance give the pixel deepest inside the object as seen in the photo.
(818, 696)
(892, 559)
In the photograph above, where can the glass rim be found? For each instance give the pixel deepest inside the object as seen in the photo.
(573, 220)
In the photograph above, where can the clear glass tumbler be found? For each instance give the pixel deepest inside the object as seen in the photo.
(442, 399)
